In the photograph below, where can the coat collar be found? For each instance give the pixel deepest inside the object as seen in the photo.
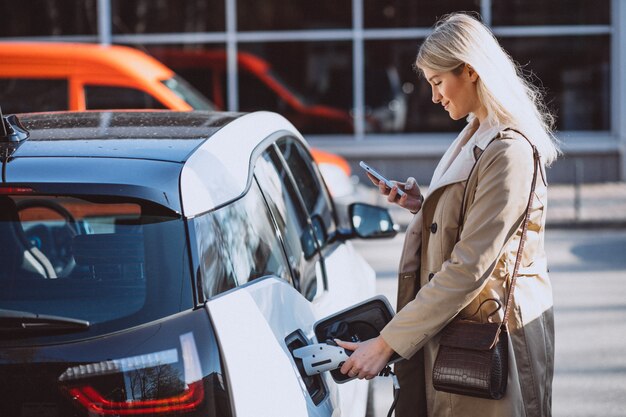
(457, 162)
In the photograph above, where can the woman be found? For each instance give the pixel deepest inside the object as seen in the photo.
(472, 77)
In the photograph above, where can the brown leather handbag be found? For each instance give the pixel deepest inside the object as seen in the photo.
(473, 357)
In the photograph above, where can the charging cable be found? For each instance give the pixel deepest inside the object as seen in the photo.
(396, 388)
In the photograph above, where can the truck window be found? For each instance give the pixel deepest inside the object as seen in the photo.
(109, 98)
(23, 95)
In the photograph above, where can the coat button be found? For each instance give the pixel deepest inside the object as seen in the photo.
(433, 228)
(431, 275)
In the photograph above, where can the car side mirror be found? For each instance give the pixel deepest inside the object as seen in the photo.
(371, 222)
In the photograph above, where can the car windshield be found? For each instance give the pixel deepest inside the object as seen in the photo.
(109, 261)
(185, 91)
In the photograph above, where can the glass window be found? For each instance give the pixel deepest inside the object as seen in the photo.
(163, 16)
(113, 262)
(188, 93)
(24, 95)
(202, 66)
(308, 182)
(48, 18)
(310, 82)
(554, 12)
(396, 98)
(424, 13)
(575, 71)
(291, 220)
(237, 244)
(293, 15)
(107, 98)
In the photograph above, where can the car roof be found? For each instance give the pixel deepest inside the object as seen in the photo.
(157, 135)
(190, 162)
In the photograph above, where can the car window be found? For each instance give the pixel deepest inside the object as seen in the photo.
(238, 243)
(308, 182)
(23, 95)
(109, 98)
(112, 262)
(292, 221)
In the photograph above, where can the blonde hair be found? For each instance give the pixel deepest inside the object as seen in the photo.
(509, 98)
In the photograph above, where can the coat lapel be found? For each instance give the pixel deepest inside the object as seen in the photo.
(456, 163)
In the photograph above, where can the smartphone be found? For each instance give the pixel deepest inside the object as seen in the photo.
(380, 177)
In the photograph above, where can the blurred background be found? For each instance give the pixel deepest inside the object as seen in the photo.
(342, 70)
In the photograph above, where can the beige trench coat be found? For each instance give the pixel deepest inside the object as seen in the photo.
(453, 278)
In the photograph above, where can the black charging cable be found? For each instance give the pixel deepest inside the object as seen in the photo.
(386, 371)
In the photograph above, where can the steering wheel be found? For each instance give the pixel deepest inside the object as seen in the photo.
(57, 247)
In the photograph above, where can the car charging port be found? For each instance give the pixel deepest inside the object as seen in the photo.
(314, 384)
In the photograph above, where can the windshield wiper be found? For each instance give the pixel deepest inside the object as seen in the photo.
(11, 320)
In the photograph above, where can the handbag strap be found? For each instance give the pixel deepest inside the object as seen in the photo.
(522, 242)
(520, 249)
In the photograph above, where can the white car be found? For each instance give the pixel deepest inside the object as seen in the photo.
(162, 263)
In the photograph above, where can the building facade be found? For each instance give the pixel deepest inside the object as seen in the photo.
(342, 70)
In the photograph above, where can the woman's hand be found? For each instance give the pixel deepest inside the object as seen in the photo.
(368, 358)
(411, 200)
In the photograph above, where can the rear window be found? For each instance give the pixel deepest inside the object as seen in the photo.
(113, 262)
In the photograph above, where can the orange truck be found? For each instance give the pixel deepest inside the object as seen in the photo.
(48, 76)
(41, 76)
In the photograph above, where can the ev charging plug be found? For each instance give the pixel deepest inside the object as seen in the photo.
(321, 357)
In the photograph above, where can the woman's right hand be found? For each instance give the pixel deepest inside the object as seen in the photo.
(411, 200)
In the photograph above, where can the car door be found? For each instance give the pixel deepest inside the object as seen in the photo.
(348, 279)
(262, 305)
(258, 314)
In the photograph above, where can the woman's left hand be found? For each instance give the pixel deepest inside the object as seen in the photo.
(368, 358)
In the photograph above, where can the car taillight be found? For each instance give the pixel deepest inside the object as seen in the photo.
(16, 190)
(94, 402)
(147, 384)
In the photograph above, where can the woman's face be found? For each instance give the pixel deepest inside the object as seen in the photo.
(456, 92)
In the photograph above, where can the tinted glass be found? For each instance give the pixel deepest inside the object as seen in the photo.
(291, 220)
(293, 15)
(394, 13)
(308, 182)
(149, 16)
(237, 244)
(26, 95)
(111, 262)
(107, 98)
(310, 83)
(554, 12)
(396, 98)
(48, 18)
(202, 66)
(188, 93)
(575, 71)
